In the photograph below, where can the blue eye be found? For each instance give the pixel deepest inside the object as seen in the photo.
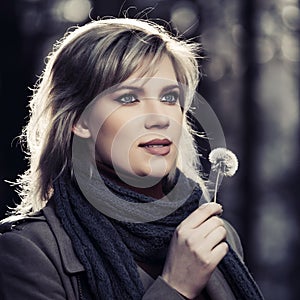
(170, 98)
(127, 99)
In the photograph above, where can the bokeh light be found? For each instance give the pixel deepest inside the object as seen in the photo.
(75, 11)
(265, 50)
(216, 69)
(184, 17)
(290, 48)
(238, 34)
(291, 17)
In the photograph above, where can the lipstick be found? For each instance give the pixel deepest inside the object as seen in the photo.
(157, 146)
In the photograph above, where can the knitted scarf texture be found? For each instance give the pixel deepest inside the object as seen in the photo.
(109, 248)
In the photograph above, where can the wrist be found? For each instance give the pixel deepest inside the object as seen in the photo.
(180, 291)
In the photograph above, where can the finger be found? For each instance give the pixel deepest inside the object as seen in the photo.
(201, 214)
(206, 236)
(217, 236)
(202, 231)
(210, 225)
(219, 252)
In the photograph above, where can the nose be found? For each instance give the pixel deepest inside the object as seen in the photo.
(155, 116)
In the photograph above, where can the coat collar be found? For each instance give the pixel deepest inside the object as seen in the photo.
(69, 259)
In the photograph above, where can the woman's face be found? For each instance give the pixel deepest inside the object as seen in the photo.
(136, 126)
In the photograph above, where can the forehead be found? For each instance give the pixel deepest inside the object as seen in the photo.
(163, 69)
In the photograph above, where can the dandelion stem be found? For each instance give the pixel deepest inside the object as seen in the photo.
(216, 185)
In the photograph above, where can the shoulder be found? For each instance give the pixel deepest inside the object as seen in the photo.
(27, 239)
(37, 257)
(28, 230)
(42, 231)
(28, 269)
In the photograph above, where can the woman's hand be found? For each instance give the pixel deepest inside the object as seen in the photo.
(196, 248)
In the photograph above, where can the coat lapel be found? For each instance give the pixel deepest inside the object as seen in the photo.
(69, 259)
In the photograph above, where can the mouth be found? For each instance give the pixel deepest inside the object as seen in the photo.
(157, 146)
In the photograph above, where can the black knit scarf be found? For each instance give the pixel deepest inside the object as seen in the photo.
(109, 249)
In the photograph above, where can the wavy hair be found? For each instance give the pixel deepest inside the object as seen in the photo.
(85, 62)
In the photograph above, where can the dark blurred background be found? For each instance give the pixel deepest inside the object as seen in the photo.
(251, 80)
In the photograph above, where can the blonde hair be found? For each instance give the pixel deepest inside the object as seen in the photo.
(81, 66)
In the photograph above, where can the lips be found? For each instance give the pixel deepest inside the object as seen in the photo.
(157, 146)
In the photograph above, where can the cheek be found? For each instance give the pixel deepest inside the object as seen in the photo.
(103, 120)
(176, 123)
(179, 115)
(103, 134)
(115, 138)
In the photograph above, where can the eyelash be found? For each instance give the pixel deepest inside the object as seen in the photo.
(174, 100)
(133, 98)
(122, 100)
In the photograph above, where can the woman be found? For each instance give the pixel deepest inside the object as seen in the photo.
(110, 203)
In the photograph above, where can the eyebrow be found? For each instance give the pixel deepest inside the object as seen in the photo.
(140, 89)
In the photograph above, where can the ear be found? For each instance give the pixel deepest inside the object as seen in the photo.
(81, 129)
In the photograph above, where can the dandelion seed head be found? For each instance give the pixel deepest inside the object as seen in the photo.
(223, 160)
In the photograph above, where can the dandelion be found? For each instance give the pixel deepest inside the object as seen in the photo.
(224, 162)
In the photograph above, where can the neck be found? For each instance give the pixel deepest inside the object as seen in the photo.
(155, 191)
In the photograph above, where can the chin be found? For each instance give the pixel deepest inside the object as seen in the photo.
(159, 174)
(158, 171)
